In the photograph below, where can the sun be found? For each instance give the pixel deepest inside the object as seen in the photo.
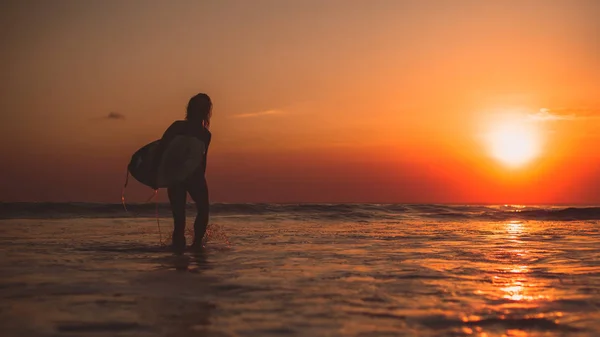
(514, 144)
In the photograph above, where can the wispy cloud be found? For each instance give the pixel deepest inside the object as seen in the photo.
(259, 113)
(115, 115)
(563, 114)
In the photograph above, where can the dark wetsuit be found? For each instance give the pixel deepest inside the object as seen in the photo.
(195, 185)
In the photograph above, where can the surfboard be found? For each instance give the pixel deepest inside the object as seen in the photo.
(181, 158)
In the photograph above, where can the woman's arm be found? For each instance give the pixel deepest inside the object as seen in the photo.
(208, 138)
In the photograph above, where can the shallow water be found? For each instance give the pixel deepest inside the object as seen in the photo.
(272, 275)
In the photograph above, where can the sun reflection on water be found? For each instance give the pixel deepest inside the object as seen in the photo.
(514, 228)
(514, 281)
(515, 293)
(521, 291)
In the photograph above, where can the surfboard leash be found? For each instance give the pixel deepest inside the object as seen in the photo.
(147, 201)
(123, 189)
(158, 223)
(157, 217)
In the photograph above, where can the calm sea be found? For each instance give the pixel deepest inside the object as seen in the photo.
(83, 269)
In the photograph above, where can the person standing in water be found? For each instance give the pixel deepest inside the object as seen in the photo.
(196, 124)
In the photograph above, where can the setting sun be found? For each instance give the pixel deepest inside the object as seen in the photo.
(514, 144)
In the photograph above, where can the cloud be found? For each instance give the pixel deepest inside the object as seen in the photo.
(260, 113)
(115, 115)
(563, 114)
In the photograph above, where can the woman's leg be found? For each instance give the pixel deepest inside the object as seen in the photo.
(177, 198)
(198, 190)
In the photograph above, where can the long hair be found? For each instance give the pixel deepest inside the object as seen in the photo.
(199, 109)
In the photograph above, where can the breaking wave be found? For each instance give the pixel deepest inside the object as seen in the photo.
(346, 212)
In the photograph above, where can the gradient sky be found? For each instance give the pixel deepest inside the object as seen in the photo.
(314, 101)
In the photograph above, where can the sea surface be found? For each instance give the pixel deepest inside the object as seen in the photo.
(83, 269)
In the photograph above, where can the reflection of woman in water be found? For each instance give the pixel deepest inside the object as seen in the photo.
(196, 124)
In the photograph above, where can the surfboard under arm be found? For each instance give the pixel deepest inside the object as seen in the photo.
(180, 159)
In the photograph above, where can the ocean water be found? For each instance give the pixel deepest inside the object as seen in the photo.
(302, 270)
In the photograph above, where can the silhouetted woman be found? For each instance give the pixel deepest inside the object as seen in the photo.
(196, 124)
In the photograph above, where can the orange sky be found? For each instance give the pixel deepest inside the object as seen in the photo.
(315, 101)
